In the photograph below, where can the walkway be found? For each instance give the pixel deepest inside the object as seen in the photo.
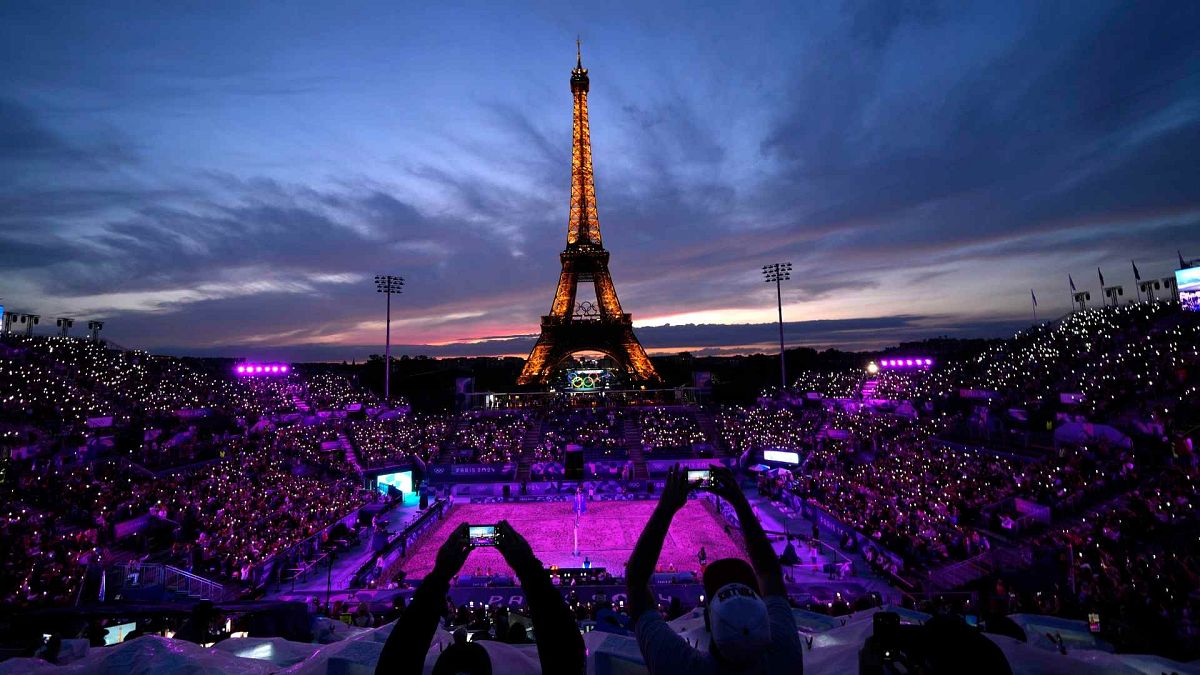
(347, 563)
(773, 519)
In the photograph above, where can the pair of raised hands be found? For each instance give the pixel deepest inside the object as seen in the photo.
(453, 554)
(677, 487)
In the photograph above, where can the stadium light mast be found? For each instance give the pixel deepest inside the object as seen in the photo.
(64, 325)
(779, 272)
(388, 284)
(30, 320)
(95, 327)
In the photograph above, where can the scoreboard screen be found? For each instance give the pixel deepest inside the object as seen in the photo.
(1188, 283)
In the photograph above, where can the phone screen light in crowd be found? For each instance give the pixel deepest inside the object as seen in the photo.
(256, 369)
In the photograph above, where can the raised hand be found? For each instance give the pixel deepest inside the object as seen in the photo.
(512, 545)
(725, 485)
(675, 490)
(453, 553)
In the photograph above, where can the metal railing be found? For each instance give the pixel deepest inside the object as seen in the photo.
(172, 580)
(962, 572)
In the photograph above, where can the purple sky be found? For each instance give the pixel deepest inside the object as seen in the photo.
(227, 178)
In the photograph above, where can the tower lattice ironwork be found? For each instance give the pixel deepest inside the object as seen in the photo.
(569, 327)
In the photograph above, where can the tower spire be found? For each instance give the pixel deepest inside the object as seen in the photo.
(572, 327)
(583, 224)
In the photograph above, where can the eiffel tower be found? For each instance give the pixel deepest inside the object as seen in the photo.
(572, 326)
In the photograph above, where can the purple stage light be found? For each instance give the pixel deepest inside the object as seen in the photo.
(906, 363)
(252, 369)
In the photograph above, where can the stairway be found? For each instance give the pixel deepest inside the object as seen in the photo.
(635, 436)
(708, 426)
(868, 390)
(452, 443)
(639, 462)
(351, 456)
(532, 438)
(529, 443)
(301, 405)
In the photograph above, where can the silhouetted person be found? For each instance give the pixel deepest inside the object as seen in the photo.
(559, 645)
(747, 611)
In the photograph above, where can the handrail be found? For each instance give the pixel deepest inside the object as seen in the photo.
(979, 565)
(190, 576)
(172, 578)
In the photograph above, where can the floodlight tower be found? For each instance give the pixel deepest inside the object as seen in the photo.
(1169, 284)
(388, 284)
(64, 324)
(30, 320)
(95, 327)
(1112, 293)
(778, 272)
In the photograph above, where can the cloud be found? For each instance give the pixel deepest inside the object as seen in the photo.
(926, 163)
(867, 333)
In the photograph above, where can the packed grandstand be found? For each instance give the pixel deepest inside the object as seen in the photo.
(1042, 486)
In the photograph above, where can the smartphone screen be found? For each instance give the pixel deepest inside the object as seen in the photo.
(701, 476)
(1094, 622)
(482, 535)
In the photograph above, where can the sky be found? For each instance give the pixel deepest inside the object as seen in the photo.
(226, 178)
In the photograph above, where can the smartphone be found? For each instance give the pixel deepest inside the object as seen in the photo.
(701, 477)
(482, 535)
(1094, 622)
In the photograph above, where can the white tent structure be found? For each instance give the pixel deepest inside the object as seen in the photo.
(834, 649)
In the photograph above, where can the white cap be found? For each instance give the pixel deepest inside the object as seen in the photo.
(739, 623)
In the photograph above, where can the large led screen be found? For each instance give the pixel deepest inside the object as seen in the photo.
(1188, 283)
(782, 456)
(401, 479)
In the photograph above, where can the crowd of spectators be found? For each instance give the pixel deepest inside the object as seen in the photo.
(237, 513)
(258, 472)
(670, 429)
(490, 438)
(227, 468)
(391, 441)
(759, 428)
(599, 430)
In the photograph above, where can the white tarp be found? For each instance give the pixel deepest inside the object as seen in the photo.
(833, 651)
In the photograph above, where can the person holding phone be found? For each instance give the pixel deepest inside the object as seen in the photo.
(559, 644)
(747, 611)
